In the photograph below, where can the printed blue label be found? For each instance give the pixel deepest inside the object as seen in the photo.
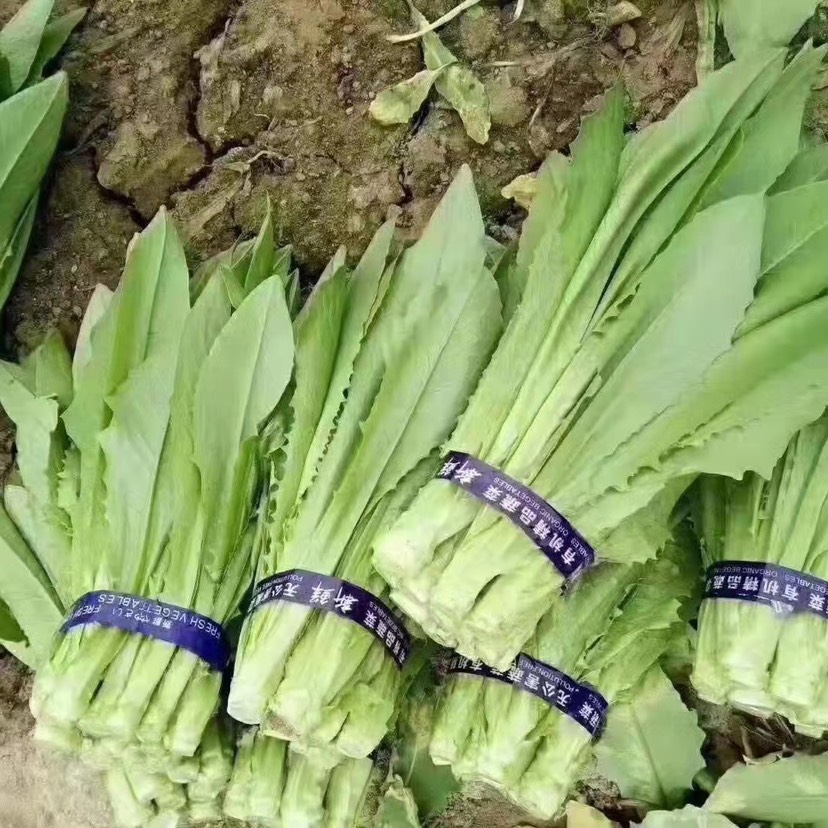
(567, 550)
(784, 590)
(181, 627)
(342, 598)
(581, 703)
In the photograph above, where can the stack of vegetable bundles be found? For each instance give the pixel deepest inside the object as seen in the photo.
(673, 363)
(762, 633)
(211, 439)
(139, 471)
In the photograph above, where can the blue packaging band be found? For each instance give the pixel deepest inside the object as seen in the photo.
(785, 591)
(181, 627)
(567, 550)
(329, 594)
(582, 703)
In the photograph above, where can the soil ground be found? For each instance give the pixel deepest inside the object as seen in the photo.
(211, 106)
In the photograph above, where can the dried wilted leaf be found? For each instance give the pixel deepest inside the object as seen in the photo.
(399, 103)
(458, 85)
(467, 95)
(522, 189)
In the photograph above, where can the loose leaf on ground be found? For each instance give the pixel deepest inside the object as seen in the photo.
(458, 84)
(790, 790)
(651, 747)
(399, 103)
(522, 189)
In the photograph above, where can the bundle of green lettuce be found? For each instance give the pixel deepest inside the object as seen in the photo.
(31, 114)
(137, 473)
(142, 789)
(666, 320)
(610, 631)
(273, 785)
(386, 357)
(764, 657)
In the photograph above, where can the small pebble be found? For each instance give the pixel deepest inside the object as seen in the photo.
(626, 36)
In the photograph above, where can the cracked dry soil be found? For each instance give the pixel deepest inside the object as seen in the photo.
(210, 106)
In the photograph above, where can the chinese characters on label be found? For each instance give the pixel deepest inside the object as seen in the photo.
(550, 531)
(578, 701)
(784, 590)
(329, 594)
(178, 626)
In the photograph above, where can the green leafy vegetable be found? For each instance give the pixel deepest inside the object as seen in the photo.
(54, 38)
(752, 25)
(31, 114)
(398, 808)
(430, 785)
(688, 817)
(19, 43)
(272, 785)
(579, 815)
(10, 631)
(651, 747)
